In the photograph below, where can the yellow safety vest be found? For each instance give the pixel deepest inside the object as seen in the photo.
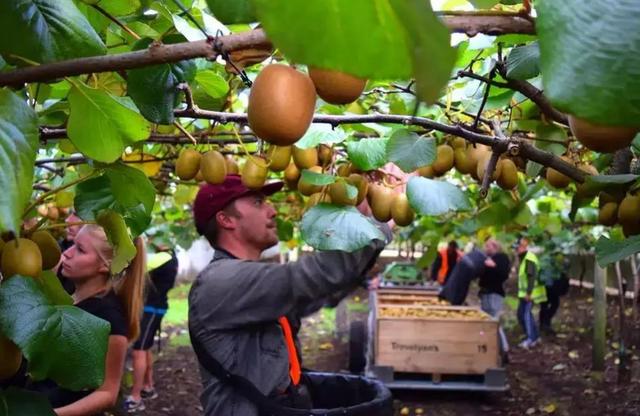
(539, 292)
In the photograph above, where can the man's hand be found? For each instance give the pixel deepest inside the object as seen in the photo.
(489, 262)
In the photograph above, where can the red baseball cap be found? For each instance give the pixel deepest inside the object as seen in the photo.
(212, 198)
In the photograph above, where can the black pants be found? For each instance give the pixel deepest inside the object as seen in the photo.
(549, 308)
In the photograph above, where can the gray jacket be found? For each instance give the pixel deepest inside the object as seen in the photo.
(233, 310)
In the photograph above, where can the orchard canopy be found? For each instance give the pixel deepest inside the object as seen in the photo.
(461, 118)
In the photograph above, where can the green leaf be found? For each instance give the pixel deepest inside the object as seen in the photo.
(524, 62)
(533, 169)
(212, 83)
(429, 256)
(410, 151)
(102, 125)
(113, 191)
(232, 11)
(15, 402)
(412, 38)
(368, 154)
(19, 141)
(116, 230)
(431, 197)
(330, 227)
(589, 58)
(52, 288)
(285, 229)
(117, 7)
(154, 88)
(315, 178)
(53, 338)
(45, 31)
(554, 134)
(430, 47)
(484, 4)
(321, 134)
(610, 251)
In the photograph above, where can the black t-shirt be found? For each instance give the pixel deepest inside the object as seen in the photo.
(162, 280)
(107, 307)
(493, 278)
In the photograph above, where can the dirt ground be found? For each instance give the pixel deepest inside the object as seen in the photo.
(553, 378)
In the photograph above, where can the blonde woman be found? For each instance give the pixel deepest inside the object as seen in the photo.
(116, 299)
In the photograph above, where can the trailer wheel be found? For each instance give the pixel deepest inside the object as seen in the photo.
(357, 347)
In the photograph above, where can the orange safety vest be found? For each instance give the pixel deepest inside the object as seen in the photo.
(444, 265)
(294, 364)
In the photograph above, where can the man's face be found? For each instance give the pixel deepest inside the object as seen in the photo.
(255, 221)
(490, 248)
(522, 246)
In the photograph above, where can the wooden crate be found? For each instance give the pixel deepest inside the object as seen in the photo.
(435, 345)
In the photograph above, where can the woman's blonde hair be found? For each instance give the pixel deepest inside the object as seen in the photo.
(128, 285)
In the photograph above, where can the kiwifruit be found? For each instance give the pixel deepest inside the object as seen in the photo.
(344, 169)
(373, 189)
(11, 358)
(401, 210)
(361, 183)
(281, 104)
(458, 143)
(306, 188)
(325, 154)
(338, 193)
(629, 210)
(426, 172)
(53, 213)
(444, 159)
(605, 197)
(232, 166)
(305, 158)
(213, 167)
(581, 188)
(291, 176)
(279, 157)
(317, 198)
(608, 214)
(381, 203)
(49, 248)
(474, 154)
(604, 139)
(21, 256)
(64, 199)
(557, 179)
(199, 177)
(483, 163)
(254, 172)
(188, 164)
(463, 163)
(508, 178)
(336, 87)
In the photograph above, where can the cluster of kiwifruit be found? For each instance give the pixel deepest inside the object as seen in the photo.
(469, 159)
(561, 181)
(431, 313)
(620, 208)
(211, 166)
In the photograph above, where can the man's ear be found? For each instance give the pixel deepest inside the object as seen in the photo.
(225, 221)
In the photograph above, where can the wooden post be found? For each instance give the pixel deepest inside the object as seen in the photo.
(599, 317)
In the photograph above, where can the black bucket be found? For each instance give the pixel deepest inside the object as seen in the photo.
(342, 394)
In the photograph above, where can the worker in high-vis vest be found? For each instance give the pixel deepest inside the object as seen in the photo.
(244, 315)
(531, 291)
(446, 260)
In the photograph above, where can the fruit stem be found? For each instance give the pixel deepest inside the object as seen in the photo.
(55, 190)
(185, 132)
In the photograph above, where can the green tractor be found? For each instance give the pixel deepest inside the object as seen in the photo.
(405, 273)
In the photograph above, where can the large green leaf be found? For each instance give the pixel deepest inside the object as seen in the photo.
(45, 31)
(18, 146)
(589, 58)
(552, 138)
(61, 342)
(15, 402)
(212, 83)
(431, 197)
(368, 154)
(314, 178)
(52, 288)
(115, 190)
(524, 62)
(429, 42)
(369, 38)
(330, 227)
(609, 251)
(102, 125)
(232, 11)
(410, 151)
(117, 7)
(154, 88)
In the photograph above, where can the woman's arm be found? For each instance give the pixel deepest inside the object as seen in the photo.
(106, 395)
